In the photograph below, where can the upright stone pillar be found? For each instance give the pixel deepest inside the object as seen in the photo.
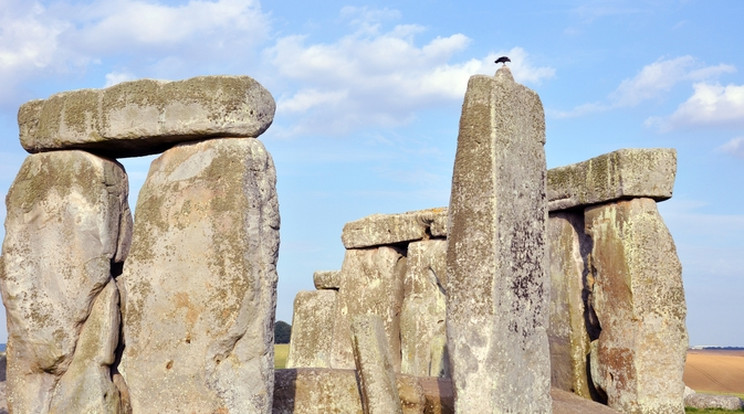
(312, 329)
(68, 229)
(640, 304)
(571, 326)
(199, 288)
(371, 283)
(422, 319)
(497, 280)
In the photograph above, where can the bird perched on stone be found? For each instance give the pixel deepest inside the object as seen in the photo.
(503, 59)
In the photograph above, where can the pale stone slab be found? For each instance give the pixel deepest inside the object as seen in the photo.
(327, 279)
(67, 222)
(371, 283)
(312, 329)
(422, 318)
(385, 229)
(199, 287)
(640, 303)
(374, 366)
(322, 390)
(146, 116)
(87, 386)
(571, 323)
(624, 173)
(497, 295)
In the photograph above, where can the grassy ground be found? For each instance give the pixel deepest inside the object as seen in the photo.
(712, 411)
(280, 355)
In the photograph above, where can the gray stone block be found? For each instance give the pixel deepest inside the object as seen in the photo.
(146, 116)
(497, 295)
(624, 173)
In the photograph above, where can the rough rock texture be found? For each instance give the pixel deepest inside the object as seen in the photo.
(422, 318)
(620, 174)
(374, 365)
(199, 287)
(640, 304)
(327, 279)
(331, 391)
(146, 116)
(67, 222)
(381, 229)
(709, 401)
(497, 296)
(315, 391)
(371, 282)
(312, 329)
(572, 326)
(87, 386)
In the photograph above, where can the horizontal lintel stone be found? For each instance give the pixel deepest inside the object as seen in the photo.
(625, 173)
(385, 229)
(146, 116)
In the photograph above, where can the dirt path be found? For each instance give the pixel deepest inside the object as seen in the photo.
(716, 371)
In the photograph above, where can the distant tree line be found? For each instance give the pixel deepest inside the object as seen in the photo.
(282, 332)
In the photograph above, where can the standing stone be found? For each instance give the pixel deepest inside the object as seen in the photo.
(67, 225)
(312, 329)
(422, 319)
(571, 321)
(640, 304)
(497, 295)
(371, 283)
(199, 288)
(374, 366)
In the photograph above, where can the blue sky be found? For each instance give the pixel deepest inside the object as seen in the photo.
(369, 95)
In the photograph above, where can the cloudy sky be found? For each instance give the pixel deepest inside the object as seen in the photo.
(369, 95)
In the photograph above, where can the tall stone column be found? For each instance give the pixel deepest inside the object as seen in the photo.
(640, 304)
(497, 279)
(199, 288)
(68, 229)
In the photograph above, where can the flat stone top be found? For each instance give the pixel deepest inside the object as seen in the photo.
(625, 173)
(146, 116)
(381, 229)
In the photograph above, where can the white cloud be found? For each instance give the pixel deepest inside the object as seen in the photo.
(374, 77)
(711, 104)
(653, 81)
(39, 40)
(130, 24)
(114, 78)
(734, 147)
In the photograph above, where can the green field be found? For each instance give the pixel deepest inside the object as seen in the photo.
(280, 355)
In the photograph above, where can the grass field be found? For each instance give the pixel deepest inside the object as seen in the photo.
(280, 355)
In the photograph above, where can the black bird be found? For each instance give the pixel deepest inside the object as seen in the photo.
(503, 59)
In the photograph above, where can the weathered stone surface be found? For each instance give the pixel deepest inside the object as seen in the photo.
(709, 401)
(146, 116)
(381, 229)
(67, 222)
(570, 320)
(640, 304)
(322, 390)
(87, 387)
(327, 279)
(620, 174)
(312, 329)
(422, 318)
(316, 390)
(497, 298)
(371, 283)
(374, 365)
(199, 287)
